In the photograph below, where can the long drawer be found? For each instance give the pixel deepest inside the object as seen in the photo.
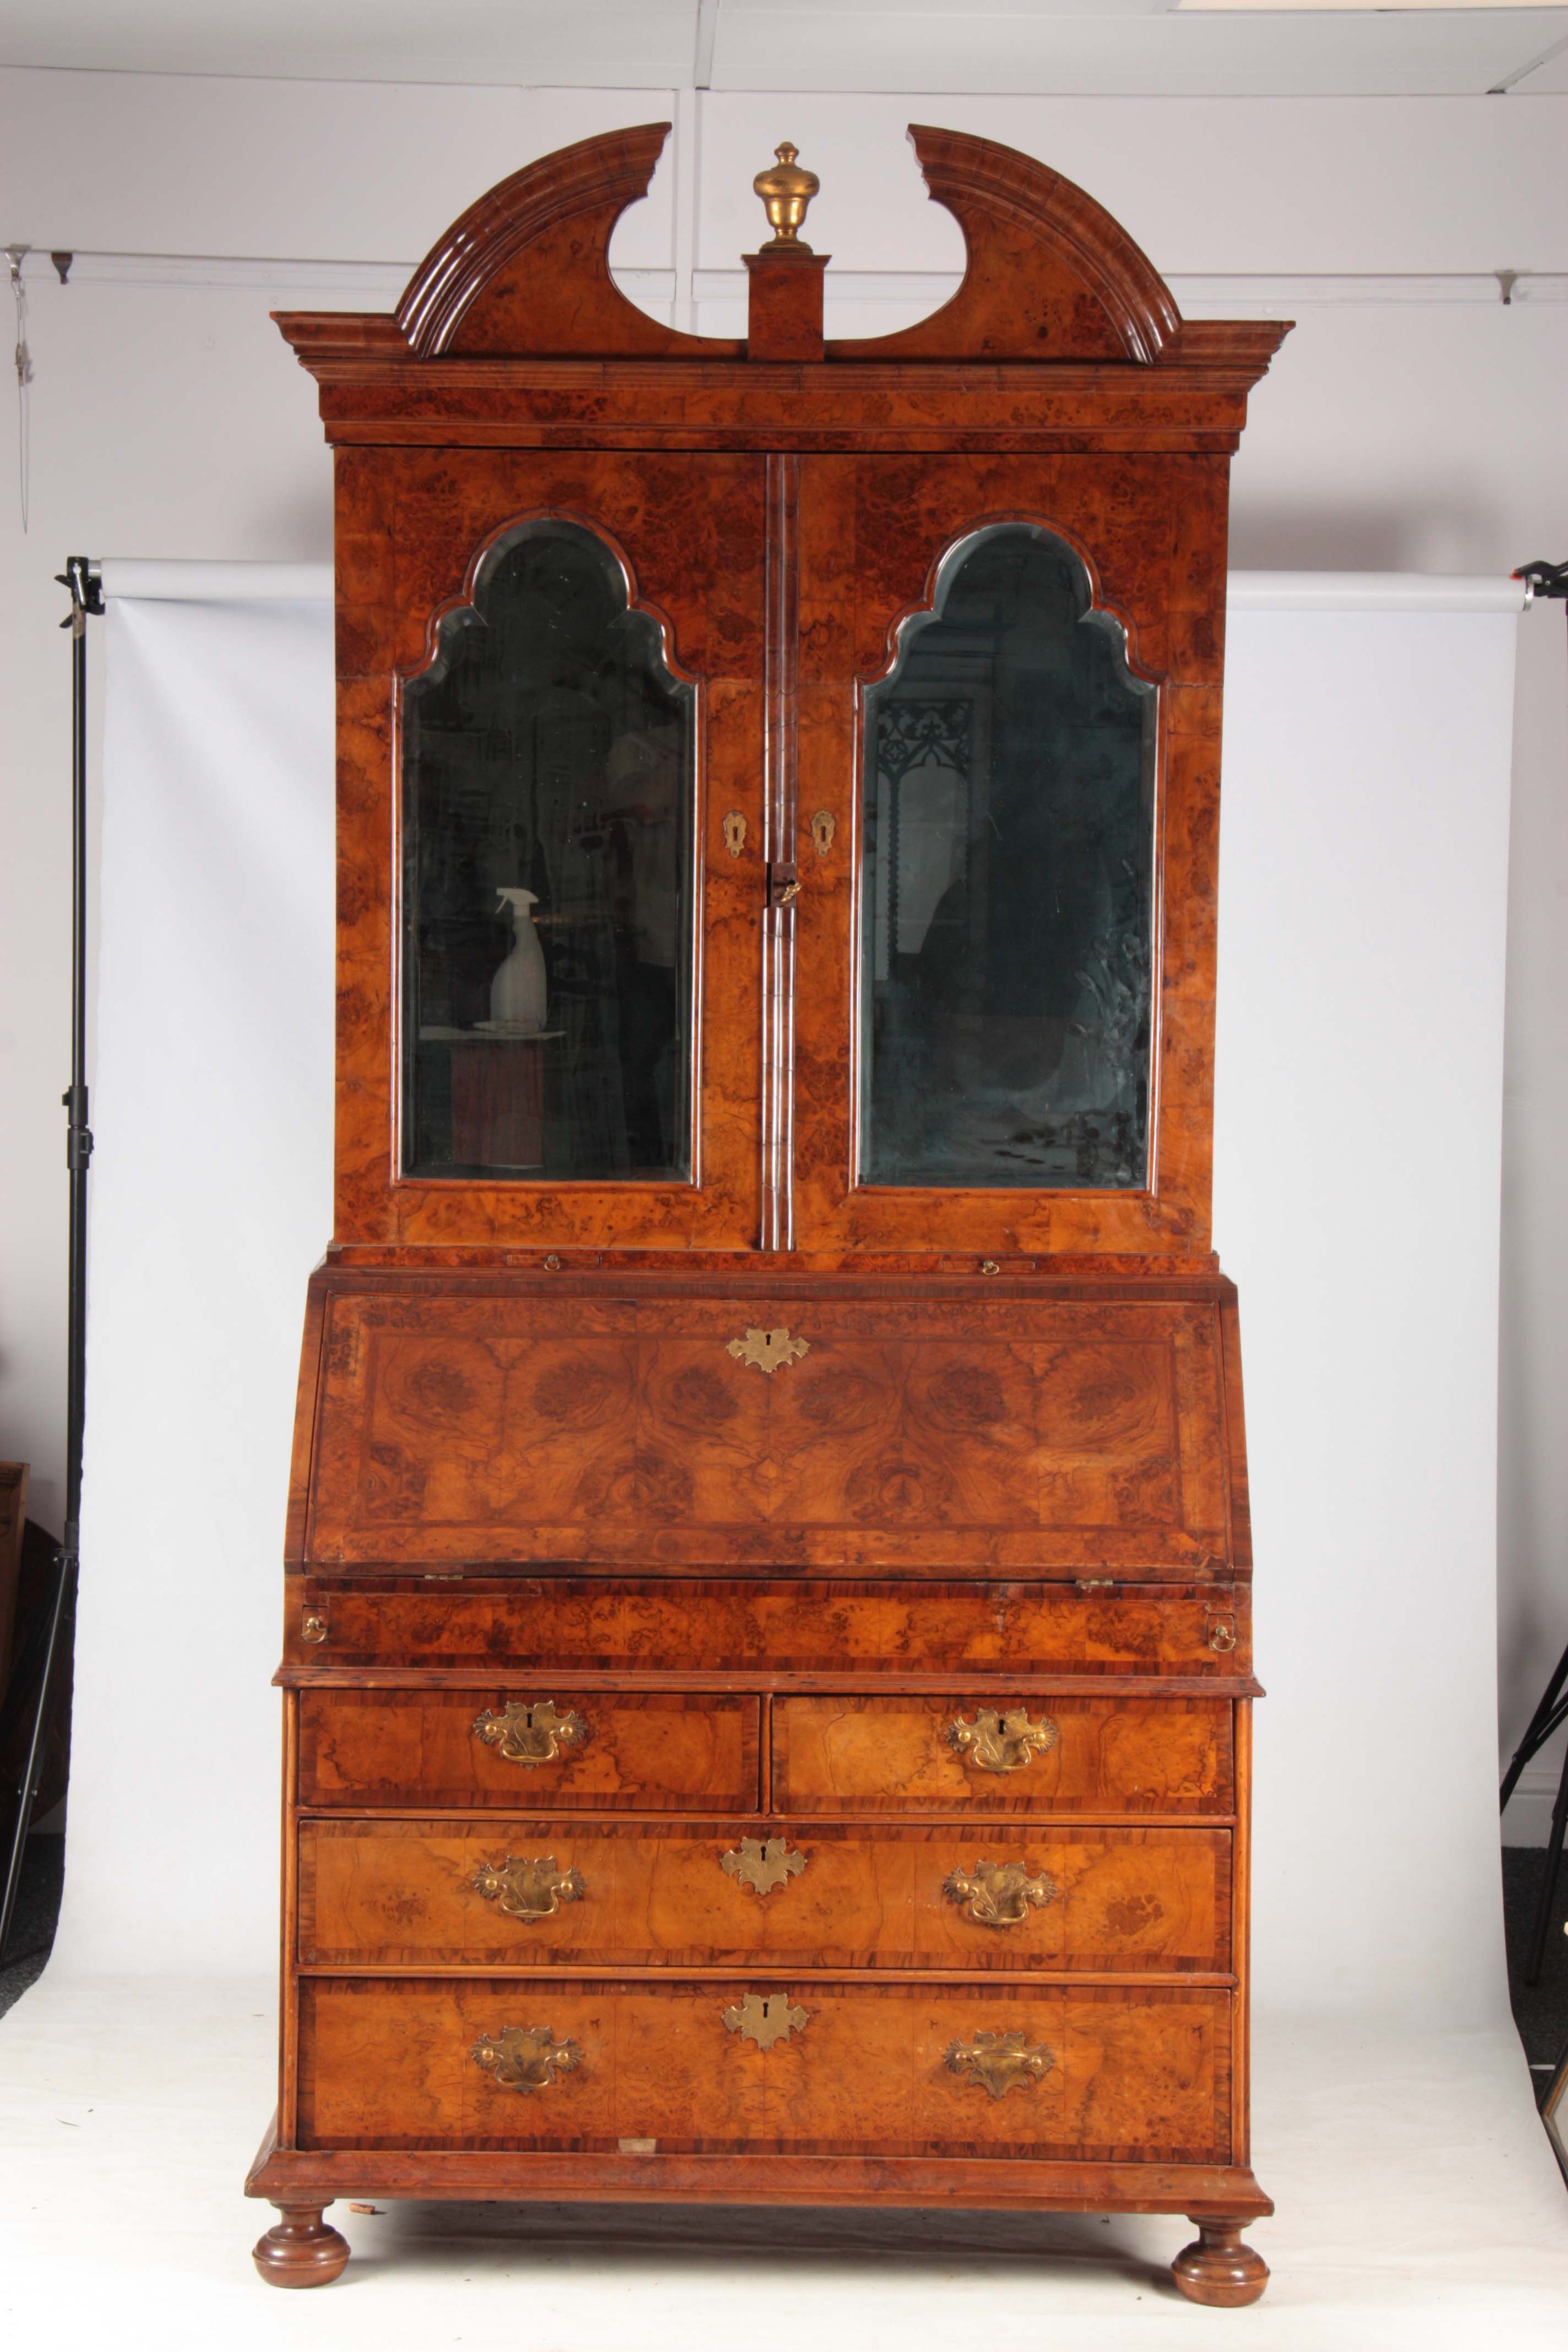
(651, 1751)
(511, 1893)
(1097, 2073)
(1058, 1755)
(509, 1624)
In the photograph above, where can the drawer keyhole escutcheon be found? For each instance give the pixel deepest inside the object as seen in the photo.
(765, 2018)
(530, 1731)
(823, 829)
(998, 1893)
(527, 1887)
(525, 2057)
(735, 833)
(1001, 1743)
(762, 1863)
(767, 1349)
(1000, 2062)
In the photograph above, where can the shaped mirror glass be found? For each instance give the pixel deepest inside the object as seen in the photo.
(1007, 891)
(549, 784)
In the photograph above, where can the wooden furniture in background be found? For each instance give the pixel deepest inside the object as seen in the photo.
(767, 1637)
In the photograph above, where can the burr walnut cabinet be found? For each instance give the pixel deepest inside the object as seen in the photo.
(767, 1658)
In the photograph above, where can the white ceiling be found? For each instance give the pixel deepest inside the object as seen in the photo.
(1048, 47)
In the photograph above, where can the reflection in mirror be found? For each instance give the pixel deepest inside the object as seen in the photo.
(549, 791)
(1007, 950)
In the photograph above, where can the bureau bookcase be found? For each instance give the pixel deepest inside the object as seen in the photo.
(767, 1643)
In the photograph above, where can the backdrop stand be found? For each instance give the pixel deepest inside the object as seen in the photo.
(86, 596)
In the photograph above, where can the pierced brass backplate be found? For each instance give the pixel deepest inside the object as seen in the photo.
(735, 833)
(765, 2018)
(1001, 1743)
(526, 1887)
(998, 1893)
(530, 1731)
(768, 1350)
(1001, 2061)
(823, 828)
(525, 2057)
(762, 1863)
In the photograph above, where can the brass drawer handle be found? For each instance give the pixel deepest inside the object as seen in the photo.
(526, 1887)
(1222, 1633)
(999, 2062)
(762, 1863)
(313, 1626)
(999, 1894)
(765, 2018)
(525, 2057)
(767, 1349)
(530, 1731)
(1001, 1743)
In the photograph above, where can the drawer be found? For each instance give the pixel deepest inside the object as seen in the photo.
(511, 1893)
(1098, 2073)
(601, 1624)
(655, 1751)
(1062, 1755)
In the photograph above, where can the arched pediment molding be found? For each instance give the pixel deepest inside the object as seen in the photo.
(1050, 276)
(525, 271)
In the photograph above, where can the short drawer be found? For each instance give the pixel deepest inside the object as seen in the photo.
(652, 1751)
(509, 1893)
(967, 1754)
(1100, 2072)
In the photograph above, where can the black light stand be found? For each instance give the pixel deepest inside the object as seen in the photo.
(86, 596)
(1544, 580)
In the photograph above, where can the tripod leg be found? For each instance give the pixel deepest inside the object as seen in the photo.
(1549, 1884)
(1532, 1735)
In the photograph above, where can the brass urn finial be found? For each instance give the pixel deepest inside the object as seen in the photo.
(785, 192)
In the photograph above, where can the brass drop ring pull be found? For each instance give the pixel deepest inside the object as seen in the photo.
(998, 1893)
(1222, 1633)
(527, 1887)
(999, 2063)
(525, 2057)
(1001, 1743)
(530, 1731)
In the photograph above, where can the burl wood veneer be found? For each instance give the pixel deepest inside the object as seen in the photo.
(768, 1653)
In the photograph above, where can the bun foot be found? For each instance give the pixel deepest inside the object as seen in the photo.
(1218, 2268)
(301, 2250)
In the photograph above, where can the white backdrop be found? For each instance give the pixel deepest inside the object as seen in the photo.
(1364, 866)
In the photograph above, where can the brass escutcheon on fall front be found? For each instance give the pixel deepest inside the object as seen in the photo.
(765, 2018)
(525, 2057)
(768, 1350)
(530, 1731)
(762, 1863)
(1001, 1743)
(735, 833)
(999, 1894)
(526, 1887)
(1001, 2061)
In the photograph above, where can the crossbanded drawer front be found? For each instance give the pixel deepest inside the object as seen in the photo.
(654, 1752)
(978, 1754)
(437, 1894)
(759, 2062)
(599, 1624)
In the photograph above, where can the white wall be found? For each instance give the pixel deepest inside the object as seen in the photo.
(1395, 433)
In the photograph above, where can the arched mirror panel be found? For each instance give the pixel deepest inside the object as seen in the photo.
(1007, 885)
(549, 793)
